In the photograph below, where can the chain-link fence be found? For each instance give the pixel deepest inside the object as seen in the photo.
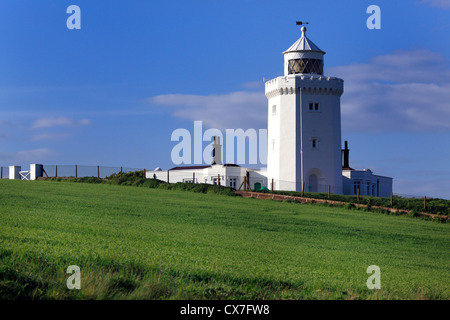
(75, 171)
(4, 172)
(198, 176)
(408, 196)
(79, 171)
(311, 187)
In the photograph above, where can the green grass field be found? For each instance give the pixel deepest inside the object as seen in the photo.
(142, 243)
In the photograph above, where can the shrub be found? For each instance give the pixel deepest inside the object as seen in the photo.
(413, 213)
(350, 206)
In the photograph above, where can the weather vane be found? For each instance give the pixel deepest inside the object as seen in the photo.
(300, 23)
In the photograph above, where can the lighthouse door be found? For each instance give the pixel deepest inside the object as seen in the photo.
(313, 187)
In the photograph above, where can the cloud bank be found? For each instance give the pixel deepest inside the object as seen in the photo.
(59, 122)
(27, 156)
(405, 91)
(233, 110)
(443, 4)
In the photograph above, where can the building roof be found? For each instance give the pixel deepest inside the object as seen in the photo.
(231, 165)
(304, 44)
(189, 168)
(365, 171)
(202, 167)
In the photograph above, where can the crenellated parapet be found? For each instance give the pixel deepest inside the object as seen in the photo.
(307, 84)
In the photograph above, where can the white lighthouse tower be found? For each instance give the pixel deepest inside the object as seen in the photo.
(304, 123)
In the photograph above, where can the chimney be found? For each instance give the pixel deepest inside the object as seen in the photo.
(346, 153)
(217, 151)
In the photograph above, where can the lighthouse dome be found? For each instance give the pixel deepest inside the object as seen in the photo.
(303, 57)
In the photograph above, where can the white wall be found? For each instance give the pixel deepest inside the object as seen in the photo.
(292, 128)
(14, 172)
(379, 186)
(210, 175)
(35, 171)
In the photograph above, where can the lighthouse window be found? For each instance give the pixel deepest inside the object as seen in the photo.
(305, 66)
(356, 186)
(313, 106)
(274, 110)
(314, 143)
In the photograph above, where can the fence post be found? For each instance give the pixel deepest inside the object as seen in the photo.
(145, 174)
(271, 188)
(168, 176)
(303, 189)
(357, 197)
(76, 171)
(120, 173)
(425, 203)
(329, 193)
(98, 172)
(193, 177)
(392, 200)
(56, 171)
(218, 179)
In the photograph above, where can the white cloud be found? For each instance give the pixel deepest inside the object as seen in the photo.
(48, 136)
(232, 110)
(61, 121)
(443, 4)
(253, 85)
(406, 91)
(26, 156)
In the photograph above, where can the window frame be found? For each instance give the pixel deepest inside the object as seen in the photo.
(314, 107)
(315, 143)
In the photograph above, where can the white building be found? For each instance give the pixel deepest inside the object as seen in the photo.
(367, 183)
(363, 182)
(230, 175)
(304, 136)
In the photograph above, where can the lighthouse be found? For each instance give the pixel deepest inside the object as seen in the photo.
(304, 122)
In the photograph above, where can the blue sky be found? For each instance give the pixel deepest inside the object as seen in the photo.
(113, 92)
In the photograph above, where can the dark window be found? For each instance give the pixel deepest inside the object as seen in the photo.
(313, 106)
(356, 185)
(305, 66)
